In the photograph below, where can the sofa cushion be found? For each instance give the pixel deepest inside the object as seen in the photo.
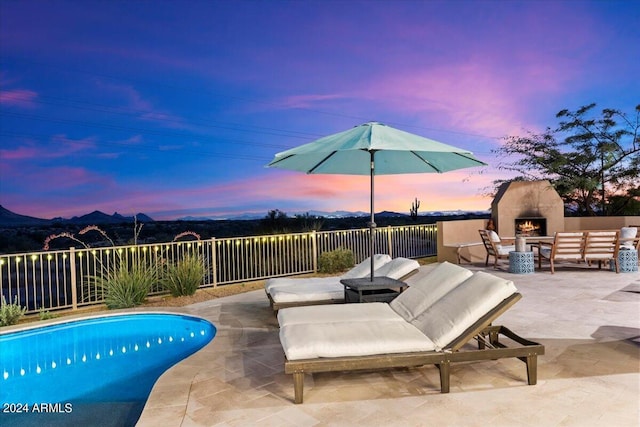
(448, 317)
(504, 250)
(496, 240)
(426, 287)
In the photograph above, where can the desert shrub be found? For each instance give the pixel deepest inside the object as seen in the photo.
(335, 261)
(185, 276)
(126, 285)
(10, 313)
(46, 315)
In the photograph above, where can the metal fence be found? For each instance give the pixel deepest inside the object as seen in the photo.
(62, 279)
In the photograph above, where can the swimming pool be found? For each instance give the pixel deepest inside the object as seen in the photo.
(95, 371)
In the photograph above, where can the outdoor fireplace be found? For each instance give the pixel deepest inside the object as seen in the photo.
(533, 226)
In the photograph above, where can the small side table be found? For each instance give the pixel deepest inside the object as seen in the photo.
(381, 289)
(521, 262)
(627, 261)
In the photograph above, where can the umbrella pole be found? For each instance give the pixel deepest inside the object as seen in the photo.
(372, 223)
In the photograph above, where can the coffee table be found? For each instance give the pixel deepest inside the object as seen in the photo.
(381, 289)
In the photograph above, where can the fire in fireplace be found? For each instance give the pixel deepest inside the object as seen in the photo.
(534, 226)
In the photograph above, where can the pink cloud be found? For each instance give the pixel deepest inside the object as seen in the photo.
(19, 153)
(454, 190)
(23, 98)
(277, 190)
(306, 101)
(141, 106)
(58, 147)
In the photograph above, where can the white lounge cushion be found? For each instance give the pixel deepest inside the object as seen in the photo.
(299, 284)
(628, 233)
(337, 313)
(310, 341)
(287, 282)
(364, 268)
(312, 291)
(426, 287)
(397, 268)
(464, 305)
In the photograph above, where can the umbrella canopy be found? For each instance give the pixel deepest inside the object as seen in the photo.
(374, 149)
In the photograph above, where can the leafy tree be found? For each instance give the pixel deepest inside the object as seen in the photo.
(275, 221)
(593, 161)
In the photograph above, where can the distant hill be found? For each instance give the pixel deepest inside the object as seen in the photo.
(8, 218)
(97, 217)
(12, 219)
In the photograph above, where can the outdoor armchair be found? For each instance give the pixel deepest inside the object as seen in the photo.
(566, 246)
(496, 247)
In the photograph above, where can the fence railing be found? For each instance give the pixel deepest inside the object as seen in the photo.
(61, 279)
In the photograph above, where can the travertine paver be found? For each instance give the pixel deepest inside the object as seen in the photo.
(589, 321)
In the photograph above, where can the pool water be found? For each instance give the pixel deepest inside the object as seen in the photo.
(96, 371)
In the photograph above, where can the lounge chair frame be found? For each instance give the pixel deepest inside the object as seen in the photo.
(489, 348)
(277, 306)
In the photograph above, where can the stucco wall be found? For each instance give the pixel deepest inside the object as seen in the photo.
(527, 199)
(456, 232)
(600, 222)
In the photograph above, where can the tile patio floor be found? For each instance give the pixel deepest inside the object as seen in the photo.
(588, 320)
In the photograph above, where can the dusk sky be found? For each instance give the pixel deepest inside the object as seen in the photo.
(173, 108)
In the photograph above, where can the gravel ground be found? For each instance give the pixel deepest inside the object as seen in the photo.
(203, 295)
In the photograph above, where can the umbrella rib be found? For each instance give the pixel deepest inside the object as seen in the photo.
(279, 160)
(457, 154)
(480, 163)
(426, 161)
(317, 165)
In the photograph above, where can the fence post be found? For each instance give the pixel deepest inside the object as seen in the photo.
(314, 246)
(214, 263)
(74, 289)
(389, 241)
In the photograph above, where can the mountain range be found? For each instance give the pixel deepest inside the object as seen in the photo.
(12, 219)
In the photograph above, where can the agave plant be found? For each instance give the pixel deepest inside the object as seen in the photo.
(185, 276)
(126, 284)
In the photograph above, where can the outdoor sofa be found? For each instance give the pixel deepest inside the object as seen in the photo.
(292, 292)
(591, 246)
(429, 323)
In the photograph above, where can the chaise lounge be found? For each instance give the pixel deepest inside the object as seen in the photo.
(292, 292)
(429, 323)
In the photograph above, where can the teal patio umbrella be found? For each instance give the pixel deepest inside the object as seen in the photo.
(374, 149)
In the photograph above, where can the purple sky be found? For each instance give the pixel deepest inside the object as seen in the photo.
(172, 108)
